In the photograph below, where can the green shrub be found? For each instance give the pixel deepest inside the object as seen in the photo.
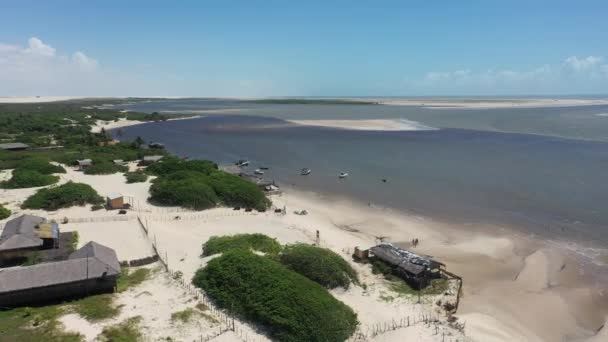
(95, 308)
(190, 193)
(63, 196)
(236, 191)
(24, 178)
(41, 165)
(4, 213)
(288, 305)
(319, 264)
(257, 242)
(136, 177)
(104, 168)
(170, 165)
(126, 331)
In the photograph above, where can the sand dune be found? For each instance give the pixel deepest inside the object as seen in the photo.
(368, 125)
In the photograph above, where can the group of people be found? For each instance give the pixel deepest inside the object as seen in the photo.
(415, 242)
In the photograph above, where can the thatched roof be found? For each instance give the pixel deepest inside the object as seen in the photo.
(21, 232)
(91, 261)
(14, 146)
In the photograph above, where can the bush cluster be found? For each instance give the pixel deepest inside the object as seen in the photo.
(198, 184)
(257, 242)
(136, 177)
(41, 165)
(319, 264)
(4, 213)
(63, 196)
(104, 168)
(25, 178)
(288, 305)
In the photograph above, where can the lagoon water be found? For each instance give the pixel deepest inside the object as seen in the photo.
(500, 166)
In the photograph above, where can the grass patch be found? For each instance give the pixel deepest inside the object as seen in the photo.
(34, 324)
(183, 316)
(257, 242)
(4, 213)
(96, 308)
(130, 279)
(126, 331)
(24, 178)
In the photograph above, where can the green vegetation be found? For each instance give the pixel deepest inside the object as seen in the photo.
(183, 316)
(74, 243)
(4, 213)
(126, 331)
(63, 196)
(104, 168)
(288, 305)
(34, 324)
(257, 242)
(96, 308)
(129, 279)
(198, 184)
(41, 165)
(136, 177)
(24, 178)
(319, 264)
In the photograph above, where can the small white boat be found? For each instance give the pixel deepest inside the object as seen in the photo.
(306, 171)
(343, 175)
(258, 172)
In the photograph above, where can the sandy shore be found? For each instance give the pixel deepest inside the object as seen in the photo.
(36, 99)
(486, 104)
(368, 125)
(122, 122)
(514, 289)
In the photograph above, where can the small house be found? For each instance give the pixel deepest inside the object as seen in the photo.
(92, 269)
(118, 162)
(416, 270)
(14, 146)
(84, 164)
(115, 201)
(148, 160)
(25, 234)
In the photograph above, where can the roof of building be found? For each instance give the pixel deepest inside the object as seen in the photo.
(91, 261)
(401, 258)
(21, 232)
(85, 162)
(153, 158)
(114, 195)
(13, 146)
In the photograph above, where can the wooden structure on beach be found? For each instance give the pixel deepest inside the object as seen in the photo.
(92, 269)
(17, 146)
(115, 201)
(25, 234)
(416, 270)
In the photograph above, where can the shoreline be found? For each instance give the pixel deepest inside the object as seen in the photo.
(123, 122)
(367, 125)
(481, 104)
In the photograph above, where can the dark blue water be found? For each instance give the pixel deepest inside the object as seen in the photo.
(544, 185)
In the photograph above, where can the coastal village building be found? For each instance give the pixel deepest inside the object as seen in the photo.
(25, 234)
(92, 269)
(148, 160)
(14, 146)
(84, 164)
(115, 201)
(416, 270)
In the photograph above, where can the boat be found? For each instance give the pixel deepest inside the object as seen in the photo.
(306, 171)
(264, 168)
(343, 175)
(258, 172)
(242, 162)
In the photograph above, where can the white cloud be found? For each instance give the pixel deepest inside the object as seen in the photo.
(575, 74)
(83, 61)
(37, 47)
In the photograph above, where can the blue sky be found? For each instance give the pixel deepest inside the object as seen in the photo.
(311, 48)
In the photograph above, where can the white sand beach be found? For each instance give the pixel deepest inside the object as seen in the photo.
(368, 125)
(36, 99)
(123, 122)
(514, 289)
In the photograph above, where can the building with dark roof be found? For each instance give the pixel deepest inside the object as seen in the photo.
(92, 269)
(416, 270)
(25, 234)
(14, 146)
